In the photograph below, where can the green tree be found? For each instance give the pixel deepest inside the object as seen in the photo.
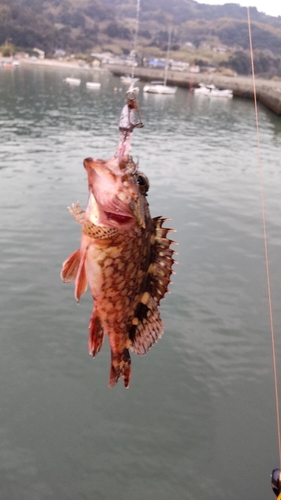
(8, 50)
(239, 62)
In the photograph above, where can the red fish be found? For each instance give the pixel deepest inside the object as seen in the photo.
(124, 257)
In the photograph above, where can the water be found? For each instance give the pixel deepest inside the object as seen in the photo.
(199, 418)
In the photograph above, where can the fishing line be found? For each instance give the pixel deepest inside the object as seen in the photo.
(265, 240)
(135, 37)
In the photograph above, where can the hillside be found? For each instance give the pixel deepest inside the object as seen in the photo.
(84, 26)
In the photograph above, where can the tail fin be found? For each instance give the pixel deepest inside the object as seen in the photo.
(120, 367)
(95, 334)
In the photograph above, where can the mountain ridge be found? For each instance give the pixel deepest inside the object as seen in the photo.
(82, 26)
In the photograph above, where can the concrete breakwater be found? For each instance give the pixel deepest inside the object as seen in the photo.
(268, 92)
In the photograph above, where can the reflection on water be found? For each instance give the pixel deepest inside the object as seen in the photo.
(199, 419)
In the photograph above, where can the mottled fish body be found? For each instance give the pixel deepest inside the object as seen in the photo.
(124, 257)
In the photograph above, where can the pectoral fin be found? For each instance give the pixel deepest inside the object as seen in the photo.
(70, 267)
(81, 281)
(74, 270)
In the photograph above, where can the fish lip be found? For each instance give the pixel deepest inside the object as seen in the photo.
(118, 217)
(111, 214)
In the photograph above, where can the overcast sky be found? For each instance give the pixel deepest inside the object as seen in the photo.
(270, 7)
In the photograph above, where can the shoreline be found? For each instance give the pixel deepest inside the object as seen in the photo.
(54, 63)
(268, 91)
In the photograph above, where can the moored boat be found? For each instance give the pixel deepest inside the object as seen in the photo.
(93, 85)
(212, 91)
(159, 88)
(72, 81)
(128, 80)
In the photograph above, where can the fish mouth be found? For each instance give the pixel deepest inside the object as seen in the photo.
(119, 218)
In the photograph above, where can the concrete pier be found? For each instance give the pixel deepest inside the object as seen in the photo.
(268, 92)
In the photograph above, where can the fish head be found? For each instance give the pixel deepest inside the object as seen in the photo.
(117, 193)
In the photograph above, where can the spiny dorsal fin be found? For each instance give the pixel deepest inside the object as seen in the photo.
(77, 212)
(147, 326)
(160, 268)
(98, 232)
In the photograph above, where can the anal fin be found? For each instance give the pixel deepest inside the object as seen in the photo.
(96, 334)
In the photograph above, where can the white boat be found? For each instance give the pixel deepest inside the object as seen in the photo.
(201, 90)
(93, 85)
(159, 88)
(128, 80)
(212, 91)
(72, 81)
(162, 87)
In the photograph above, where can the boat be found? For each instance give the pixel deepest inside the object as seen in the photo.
(212, 91)
(129, 80)
(93, 85)
(161, 87)
(72, 81)
(201, 90)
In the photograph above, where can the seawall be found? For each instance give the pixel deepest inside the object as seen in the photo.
(268, 92)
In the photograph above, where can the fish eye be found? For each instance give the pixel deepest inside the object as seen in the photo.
(143, 183)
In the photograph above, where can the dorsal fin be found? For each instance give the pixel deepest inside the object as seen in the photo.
(147, 326)
(160, 268)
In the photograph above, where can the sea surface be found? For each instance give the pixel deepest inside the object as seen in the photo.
(199, 419)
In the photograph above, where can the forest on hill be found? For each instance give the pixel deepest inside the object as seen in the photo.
(218, 33)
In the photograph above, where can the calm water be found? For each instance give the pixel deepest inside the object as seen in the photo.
(199, 418)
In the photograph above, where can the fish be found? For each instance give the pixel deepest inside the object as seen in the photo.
(125, 257)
